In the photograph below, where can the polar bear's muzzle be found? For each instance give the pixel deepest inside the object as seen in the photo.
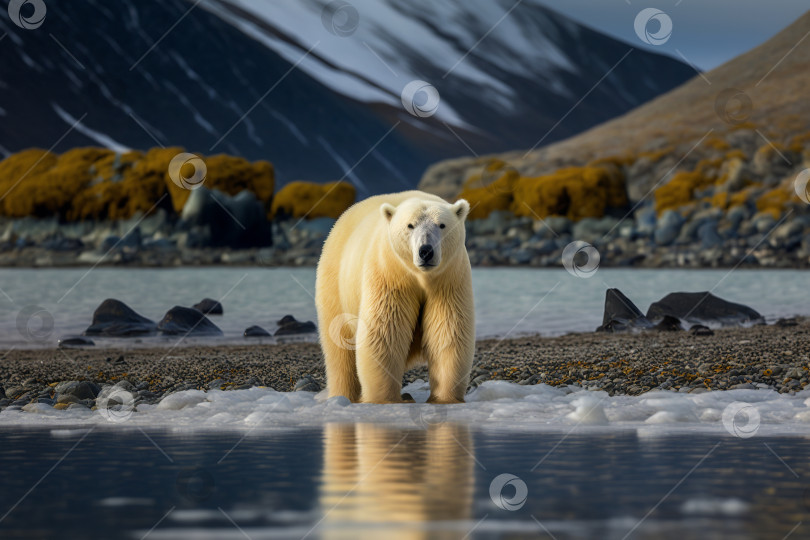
(426, 246)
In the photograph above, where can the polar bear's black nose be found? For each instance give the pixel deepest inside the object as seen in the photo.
(426, 252)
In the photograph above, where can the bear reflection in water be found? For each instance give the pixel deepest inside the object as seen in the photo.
(383, 482)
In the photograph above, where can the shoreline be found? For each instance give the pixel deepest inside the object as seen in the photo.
(771, 356)
(241, 262)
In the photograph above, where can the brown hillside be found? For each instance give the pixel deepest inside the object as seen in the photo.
(755, 100)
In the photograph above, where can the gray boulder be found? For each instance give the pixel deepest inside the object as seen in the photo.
(115, 318)
(289, 325)
(621, 314)
(256, 331)
(57, 242)
(208, 307)
(646, 220)
(708, 235)
(738, 214)
(594, 230)
(318, 227)
(189, 321)
(307, 384)
(668, 227)
(238, 222)
(763, 223)
(496, 222)
(78, 389)
(669, 324)
(554, 225)
(702, 307)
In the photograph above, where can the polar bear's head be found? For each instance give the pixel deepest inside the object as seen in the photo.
(423, 232)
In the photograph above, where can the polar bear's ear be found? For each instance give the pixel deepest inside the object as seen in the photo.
(387, 211)
(461, 208)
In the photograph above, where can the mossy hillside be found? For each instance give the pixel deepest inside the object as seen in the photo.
(745, 165)
(97, 184)
(39, 183)
(231, 175)
(684, 185)
(310, 200)
(131, 183)
(490, 190)
(727, 177)
(573, 192)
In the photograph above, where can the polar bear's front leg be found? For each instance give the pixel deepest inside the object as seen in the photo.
(384, 335)
(449, 342)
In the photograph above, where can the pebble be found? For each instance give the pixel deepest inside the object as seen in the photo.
(78, 389)
(125, 385)
(67, 399)
(307, 384)
(74, 342)
(701, 330)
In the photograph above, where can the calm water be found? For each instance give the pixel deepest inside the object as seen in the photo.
(359, 480)
(371, 481)
(508, 301)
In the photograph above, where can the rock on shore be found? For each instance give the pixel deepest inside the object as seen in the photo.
(700, 307)
(187, 321)
(115, 318)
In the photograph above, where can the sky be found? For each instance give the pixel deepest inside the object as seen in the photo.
(707, 33)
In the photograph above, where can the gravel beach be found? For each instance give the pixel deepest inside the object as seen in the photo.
(773, 356)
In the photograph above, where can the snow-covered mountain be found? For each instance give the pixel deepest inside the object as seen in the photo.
(316, 87)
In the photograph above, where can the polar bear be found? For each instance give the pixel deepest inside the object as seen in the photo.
(394, 289)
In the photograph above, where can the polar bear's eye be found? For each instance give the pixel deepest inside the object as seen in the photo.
(441, 225)
(410, 226)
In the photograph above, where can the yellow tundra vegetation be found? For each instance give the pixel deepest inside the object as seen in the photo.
(726, 200)
(231, 175)
(799, 142)
(124, 185)
(38, 183)
(486, 195)
(96, 183)
(573, 192)
(311, 200)
(773, 201)
(680, 190)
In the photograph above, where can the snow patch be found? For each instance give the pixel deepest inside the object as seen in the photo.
(497, 405)
(102, 139)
